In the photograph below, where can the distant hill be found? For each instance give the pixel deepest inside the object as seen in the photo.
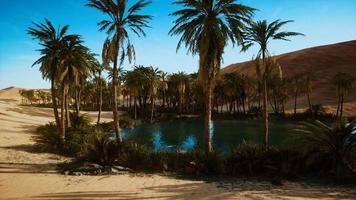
(10, 93)
(325, 61)
(13, 93)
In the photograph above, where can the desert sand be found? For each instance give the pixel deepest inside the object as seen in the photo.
(28, 175)
(324, 62)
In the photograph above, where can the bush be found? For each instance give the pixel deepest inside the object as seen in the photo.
(328, 149)
(81, 121)
(254, 160)
(134, 155)
(47, 139)
(100, 148)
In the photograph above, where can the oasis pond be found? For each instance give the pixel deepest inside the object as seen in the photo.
(187, 134)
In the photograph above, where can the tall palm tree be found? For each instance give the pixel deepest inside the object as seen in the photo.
(206, 26)
(100, 81)
(122, 19)
(262, 33)
(179, 79)
(163, 87)
(52, 42)
(75, 66)
(154, 80)
(133, 84)
(344, 83)
(307, 79)
(297, 88)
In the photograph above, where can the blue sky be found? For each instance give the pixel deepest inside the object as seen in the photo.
(322, 21)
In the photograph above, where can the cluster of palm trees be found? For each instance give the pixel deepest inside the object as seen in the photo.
(344, 83)
(145, 87)
(35, 96)
(66, 62)
(205, 27)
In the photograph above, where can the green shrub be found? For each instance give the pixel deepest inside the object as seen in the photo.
(134, 155)
(81, 121)
(100, 148)
(47, 139)
(327, 148)
(244, 159)
(254, 160)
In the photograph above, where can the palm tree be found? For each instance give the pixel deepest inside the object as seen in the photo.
(205, 27)
(297, 88)
(163, 87)
(154, 80)
(100, 81)
(344, 83)
(262, 33)
(75, 66)
(179, 81)
(122, 19)
(133, 84)
(52, 41)
(307, 79)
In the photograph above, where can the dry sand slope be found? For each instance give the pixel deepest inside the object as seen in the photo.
(28, 175)
(324, 62)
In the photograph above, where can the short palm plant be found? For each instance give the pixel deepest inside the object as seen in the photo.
(335, 145)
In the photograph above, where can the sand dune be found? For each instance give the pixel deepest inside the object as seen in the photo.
(10, 93)
(28, 175)
(325, 62)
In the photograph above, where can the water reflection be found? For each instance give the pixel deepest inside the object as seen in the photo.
(189, 143)
(185, 135)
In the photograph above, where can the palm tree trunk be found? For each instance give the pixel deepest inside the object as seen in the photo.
(115, 83)
(295, 100)
(55, 107)
(338, 103)
(208, 124)
(310, 105)
(77, 101)
(115, 105)
(100, 98)
(265, 109)
(341, 105)
(152, 107)
(63, 125)
(67, 110)
(135, 107)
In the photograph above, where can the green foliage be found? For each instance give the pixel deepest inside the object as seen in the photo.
(317, 149)
(254, 160)
(100, 148)
(80, 121)
(47, 139)
(332, 149)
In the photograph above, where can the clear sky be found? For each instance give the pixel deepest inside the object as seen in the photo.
(322, 21)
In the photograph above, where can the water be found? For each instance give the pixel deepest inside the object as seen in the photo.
(185, 135)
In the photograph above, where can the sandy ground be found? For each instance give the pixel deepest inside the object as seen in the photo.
(28, 175)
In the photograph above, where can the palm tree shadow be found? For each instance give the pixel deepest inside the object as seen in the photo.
(32, 111)
(27, 168)
(200, 190)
